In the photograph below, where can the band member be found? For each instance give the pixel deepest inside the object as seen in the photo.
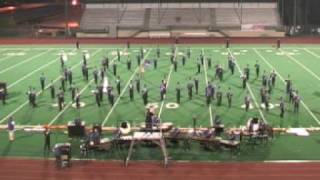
(190, 87)
(229, 95)
(257, 67)
(219, 72)
(213, 89)
(227, 43)
(219, 96)
(246, 71)
(172, 57)
(247, 100)
(85, 72)
(137, 80)
(244, 81)
(97, 97)
(264, 79)
(278, 43)
(148, 120)
(175, 65)
(118, 54)
(114, 66)
(196, 84)
(100, 91)
(145, 95)
(47, 143)
(164, 82)
(77, 98)
(105, 63)
(77, 44)
(232, 65)
(129, 63)
(292, 94)
(263, 92)
(85, 57)
(131, 91)
(3, 96)
(288, 84)
(208, 93)
(138, 60)
(73, 92)
(282, 107)
(65, 73)
(141, 70)
(296, 102)
(230, 59)
(201, 59)
(70, 76)
(209, 63)
(42, 81)
(178, 92)
(60, 100)
(162, 90)
(118, 85)
(155, 63)
(198, 66)
(95, 75)
(266, 101)
(62, 56)
(32, 96)
(158, 52)
(188, 53)
(101, 72)
(270, 86)
(63, 83)
(273, 76)
(111, 98)
(183, 60)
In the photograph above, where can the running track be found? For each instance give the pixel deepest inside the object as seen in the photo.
(20, 169)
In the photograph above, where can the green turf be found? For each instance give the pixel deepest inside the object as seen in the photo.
(21, 67)
(22, 71)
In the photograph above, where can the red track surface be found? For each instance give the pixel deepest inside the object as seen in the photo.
(20, 169)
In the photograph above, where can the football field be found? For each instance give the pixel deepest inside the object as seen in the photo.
(21, 66)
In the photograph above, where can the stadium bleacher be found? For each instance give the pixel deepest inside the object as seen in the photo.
(168, 19)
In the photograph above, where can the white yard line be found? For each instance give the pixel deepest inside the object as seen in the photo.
(206, 78)
(250, 90)
(25, 61)
(70, 103)
(122, 92)
(282, 79)
(301, 65)
(312, 53)
(168, 81)
(38, 93)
